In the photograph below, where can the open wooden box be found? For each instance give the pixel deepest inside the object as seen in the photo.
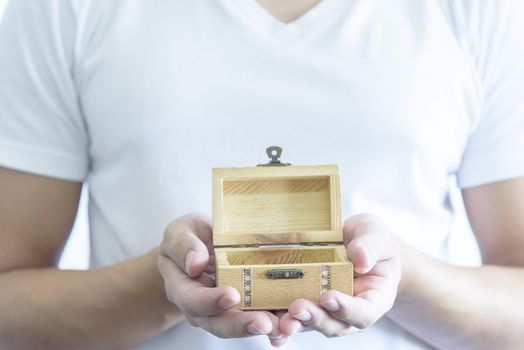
(277, 232)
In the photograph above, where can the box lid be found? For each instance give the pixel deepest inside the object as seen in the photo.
(276, 205)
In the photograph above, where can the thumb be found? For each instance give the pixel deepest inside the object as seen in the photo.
(368, 242)
(186, 242)
(360, 255)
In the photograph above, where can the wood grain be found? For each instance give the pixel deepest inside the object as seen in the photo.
(292, 254)
(280, 205)
(269, 294)
(335, 203)
(275, 172)
(281, 256)
(275, 186)
(231, 277)
(277, 213)
(278, 294)
(239, 238)
(342, 278)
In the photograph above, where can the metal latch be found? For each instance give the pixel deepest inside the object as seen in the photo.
(281, 274)
(274, 153)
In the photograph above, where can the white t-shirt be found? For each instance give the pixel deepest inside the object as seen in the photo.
(142, 98)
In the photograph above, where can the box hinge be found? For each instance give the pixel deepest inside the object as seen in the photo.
(246, 246)
(313, 244)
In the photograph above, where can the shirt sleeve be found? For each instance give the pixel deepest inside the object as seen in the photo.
(495, 148)
(42, 129)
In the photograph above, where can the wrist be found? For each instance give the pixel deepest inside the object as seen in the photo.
(421, 274)
(412, 262)
(142, 272)
(154, 279)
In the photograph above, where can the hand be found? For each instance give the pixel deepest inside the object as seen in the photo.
(186, 264)
(374, 252)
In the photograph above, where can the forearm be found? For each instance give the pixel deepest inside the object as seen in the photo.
(110, 308)
(460, 308)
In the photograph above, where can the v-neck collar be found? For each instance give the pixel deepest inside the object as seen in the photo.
(322, 14)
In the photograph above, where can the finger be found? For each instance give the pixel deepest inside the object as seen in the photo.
(194, 296)
(280, 313)
(371, 282)
(316, 317)
(368, 241)
(238, 324)
(276, 337)
(278, 342)
(289, 325)
(385, 276)
(188, 242)
(211, 266)
(360, 312)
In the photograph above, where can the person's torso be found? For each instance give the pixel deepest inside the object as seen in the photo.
(170, 89)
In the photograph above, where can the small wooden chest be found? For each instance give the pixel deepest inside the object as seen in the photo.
(277, 232)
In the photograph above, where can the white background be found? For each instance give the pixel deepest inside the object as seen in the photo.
(76, 253)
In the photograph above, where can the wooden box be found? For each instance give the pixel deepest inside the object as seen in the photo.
(277, 232)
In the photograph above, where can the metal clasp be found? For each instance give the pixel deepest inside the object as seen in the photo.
(274, 153)
(281, 274)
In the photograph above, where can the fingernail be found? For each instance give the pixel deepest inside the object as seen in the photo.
(303, 316)
(278, 342)
(331, 305)
(275, 336)
(189, 258)
(226, 303)
(252, 329)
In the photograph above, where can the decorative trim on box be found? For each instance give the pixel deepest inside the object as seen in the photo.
(247, 279)
(325, 278)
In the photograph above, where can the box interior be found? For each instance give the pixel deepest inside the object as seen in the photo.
(277, 205)
(277, 256)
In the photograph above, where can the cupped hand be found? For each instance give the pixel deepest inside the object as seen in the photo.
(186, 264)
(374, 251)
